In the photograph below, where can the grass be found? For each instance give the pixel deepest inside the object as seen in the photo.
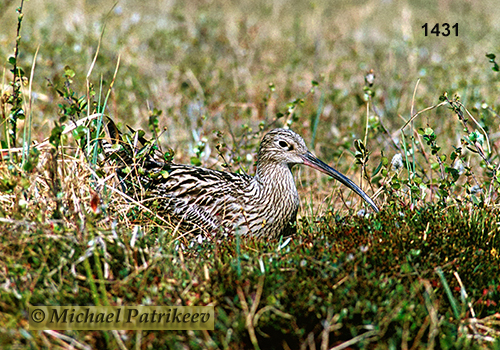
(210, 78)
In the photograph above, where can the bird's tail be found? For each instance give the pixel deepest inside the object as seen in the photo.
(137, 160)
(132, 148)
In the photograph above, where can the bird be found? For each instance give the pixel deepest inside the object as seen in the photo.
(212, 201)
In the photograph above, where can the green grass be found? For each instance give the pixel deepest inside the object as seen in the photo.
(210, 78)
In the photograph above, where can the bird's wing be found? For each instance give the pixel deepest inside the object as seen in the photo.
(200, 196)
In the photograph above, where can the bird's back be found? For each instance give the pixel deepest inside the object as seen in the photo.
(198, 198)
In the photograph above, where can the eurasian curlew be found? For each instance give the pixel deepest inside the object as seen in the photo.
(264, 205)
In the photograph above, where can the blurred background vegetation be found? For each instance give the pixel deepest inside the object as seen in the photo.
(232, 66)
(208, 64)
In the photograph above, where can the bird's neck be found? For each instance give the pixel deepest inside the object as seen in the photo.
(278, 197)
(277, 176)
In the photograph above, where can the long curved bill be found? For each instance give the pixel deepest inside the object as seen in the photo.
(313, 162)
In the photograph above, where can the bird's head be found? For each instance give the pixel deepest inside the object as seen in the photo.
(283, 147)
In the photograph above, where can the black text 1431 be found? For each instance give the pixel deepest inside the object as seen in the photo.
(441, 29)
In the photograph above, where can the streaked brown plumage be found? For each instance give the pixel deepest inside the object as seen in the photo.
(264, 205)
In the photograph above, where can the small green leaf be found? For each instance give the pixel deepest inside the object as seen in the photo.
(453, 155)
(164, 174)
(406, 268)
(80, 132)
(360, 147)
(453, 172)
(475, 200)
(379, 167)
(195, 161)
(68, 72)
(415, 252)
(415, 189)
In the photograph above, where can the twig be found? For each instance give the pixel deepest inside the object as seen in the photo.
(250, 313)
(67, 340)
(355, 340)
(420, 112)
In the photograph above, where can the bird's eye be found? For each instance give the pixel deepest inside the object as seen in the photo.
(284, 144)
